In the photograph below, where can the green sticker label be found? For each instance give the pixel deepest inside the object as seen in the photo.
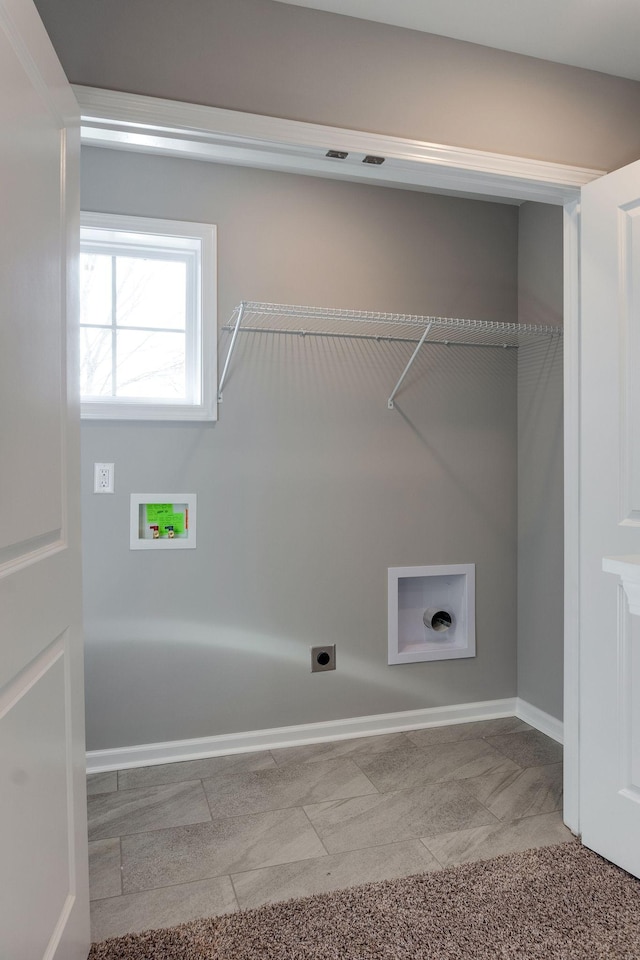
(163, 516)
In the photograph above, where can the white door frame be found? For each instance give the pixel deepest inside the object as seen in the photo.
(149, 125)
(571, 353)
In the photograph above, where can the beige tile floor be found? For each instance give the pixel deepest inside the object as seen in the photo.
(173, 842)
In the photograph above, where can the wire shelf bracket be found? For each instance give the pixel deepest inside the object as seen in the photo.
(408, 366)
(240, 314)
(255, 317)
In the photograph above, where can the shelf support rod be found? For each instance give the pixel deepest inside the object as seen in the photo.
(231, 346)
(408, 366)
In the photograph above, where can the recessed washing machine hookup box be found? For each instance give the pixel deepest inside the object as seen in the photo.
(432, 613)
(163, 521)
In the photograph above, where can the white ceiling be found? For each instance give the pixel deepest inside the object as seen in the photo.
(600, 35)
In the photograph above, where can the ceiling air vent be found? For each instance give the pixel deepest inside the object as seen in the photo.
(375, 160)
(337, 154)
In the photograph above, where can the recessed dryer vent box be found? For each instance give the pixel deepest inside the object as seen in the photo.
(431, 613)
(163, 521)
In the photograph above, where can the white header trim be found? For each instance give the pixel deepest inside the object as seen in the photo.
(126, 121)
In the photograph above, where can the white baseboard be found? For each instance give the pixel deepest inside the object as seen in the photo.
(542, 721)
(149, 754)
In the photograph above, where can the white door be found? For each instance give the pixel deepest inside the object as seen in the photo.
(43, 871)
(610, 516)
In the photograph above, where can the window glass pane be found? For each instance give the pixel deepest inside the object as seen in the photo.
(151, 293)
(95, 288)
(150, 365)
(144, 320)
(95, 362)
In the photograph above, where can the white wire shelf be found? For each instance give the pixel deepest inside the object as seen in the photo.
(255, 317)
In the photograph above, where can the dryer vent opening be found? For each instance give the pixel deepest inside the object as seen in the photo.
(438, 620)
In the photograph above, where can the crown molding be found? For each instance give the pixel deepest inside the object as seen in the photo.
(124, 121)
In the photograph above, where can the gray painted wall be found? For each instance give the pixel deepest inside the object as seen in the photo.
(285, 61)
(308, 487)
(540, 459)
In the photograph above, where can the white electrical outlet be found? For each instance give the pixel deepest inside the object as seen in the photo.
(103, 478)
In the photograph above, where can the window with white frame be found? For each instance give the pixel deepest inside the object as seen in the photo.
(147, 318)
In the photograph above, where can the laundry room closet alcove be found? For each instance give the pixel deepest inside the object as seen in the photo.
(309, 487)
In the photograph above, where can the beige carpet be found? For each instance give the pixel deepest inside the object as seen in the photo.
(557, 902)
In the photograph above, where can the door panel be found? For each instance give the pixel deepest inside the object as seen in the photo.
(33, 745)
(610, 516)
(30, 155)
(43, 867)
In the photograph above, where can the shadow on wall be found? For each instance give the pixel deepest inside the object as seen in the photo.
(154, 678)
